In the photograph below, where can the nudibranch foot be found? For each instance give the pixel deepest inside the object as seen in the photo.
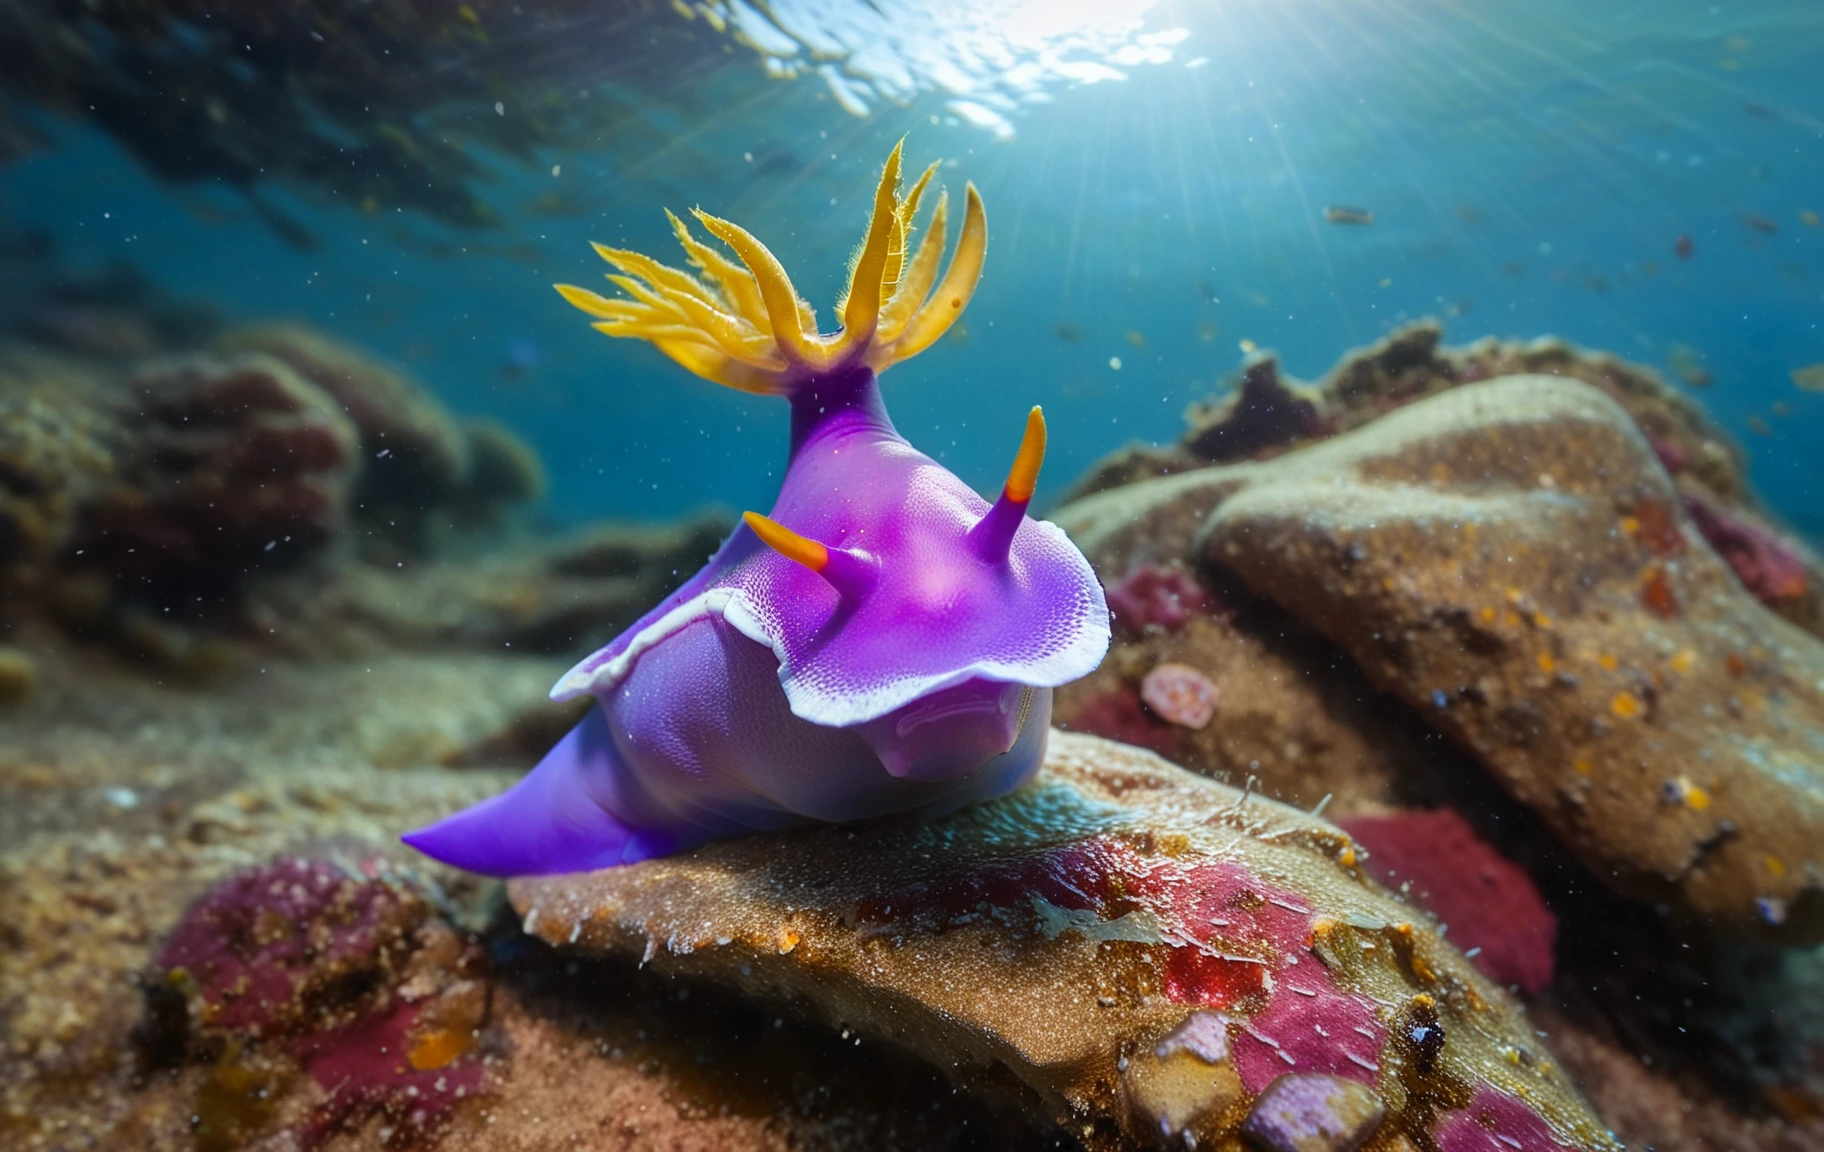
(552, 821)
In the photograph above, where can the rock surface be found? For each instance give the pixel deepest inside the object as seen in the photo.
(1267, 414)
(1511, 560)
(1062, 937)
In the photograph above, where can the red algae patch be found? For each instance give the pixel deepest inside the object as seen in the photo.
(1494, 911)
(1119, 714)
(1768, 566)
(1155, 597)
(333, 969)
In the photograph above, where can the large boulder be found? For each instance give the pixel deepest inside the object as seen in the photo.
(1513, 561)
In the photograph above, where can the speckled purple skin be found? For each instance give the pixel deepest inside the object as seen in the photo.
(757, 697)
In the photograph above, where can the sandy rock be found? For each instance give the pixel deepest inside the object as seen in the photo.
(565, 596)
(57, 451)
(17, 675)
(236, 462)
(1512, 561)
(1294, 715)
(504, 471)
(1060, 933)
(1266, 414)
(414, 453)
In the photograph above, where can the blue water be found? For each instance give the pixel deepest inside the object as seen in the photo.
(1529, 167)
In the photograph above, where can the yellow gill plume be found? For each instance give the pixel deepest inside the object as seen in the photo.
(742, 323)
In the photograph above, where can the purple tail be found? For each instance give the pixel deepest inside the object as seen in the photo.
(550, 821)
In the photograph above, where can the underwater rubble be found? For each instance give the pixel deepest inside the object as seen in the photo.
(1467, 795)
(259, 493)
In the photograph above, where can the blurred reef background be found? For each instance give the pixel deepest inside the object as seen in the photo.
(1436, 388)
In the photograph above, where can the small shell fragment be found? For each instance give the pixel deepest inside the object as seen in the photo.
(1180, 694)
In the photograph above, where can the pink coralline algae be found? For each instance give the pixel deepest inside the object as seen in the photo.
(1672, 455)
(1230, 941)
(1494, 911)
(304, 962)
(1769, 567)
(1150, 596)
(265, 944)
(1495, 1122)
(1181, 694)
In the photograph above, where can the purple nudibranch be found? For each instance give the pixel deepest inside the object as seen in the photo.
(885, 641)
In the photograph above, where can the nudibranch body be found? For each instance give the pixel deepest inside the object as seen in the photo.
(885, 641)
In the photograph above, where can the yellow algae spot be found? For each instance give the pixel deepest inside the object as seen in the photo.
(468, 14)
(1680, 790)
(1488, 615)
(1135, 337)
(438, 1048)
(1547, 665)
(1347, 856)
(1248, 346)
(1683, 660)
(1607, 663)
(1809, 218)
(370, 205)
(1775, 867)
(1439, 473)
(1387, 583)
(1738, 43)
(1511, 619)
(1625, 705)
(788, 940)
(1630, 525)
(1406, 942)
(1583, 766)
(1541, 620)
(1513, 595)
